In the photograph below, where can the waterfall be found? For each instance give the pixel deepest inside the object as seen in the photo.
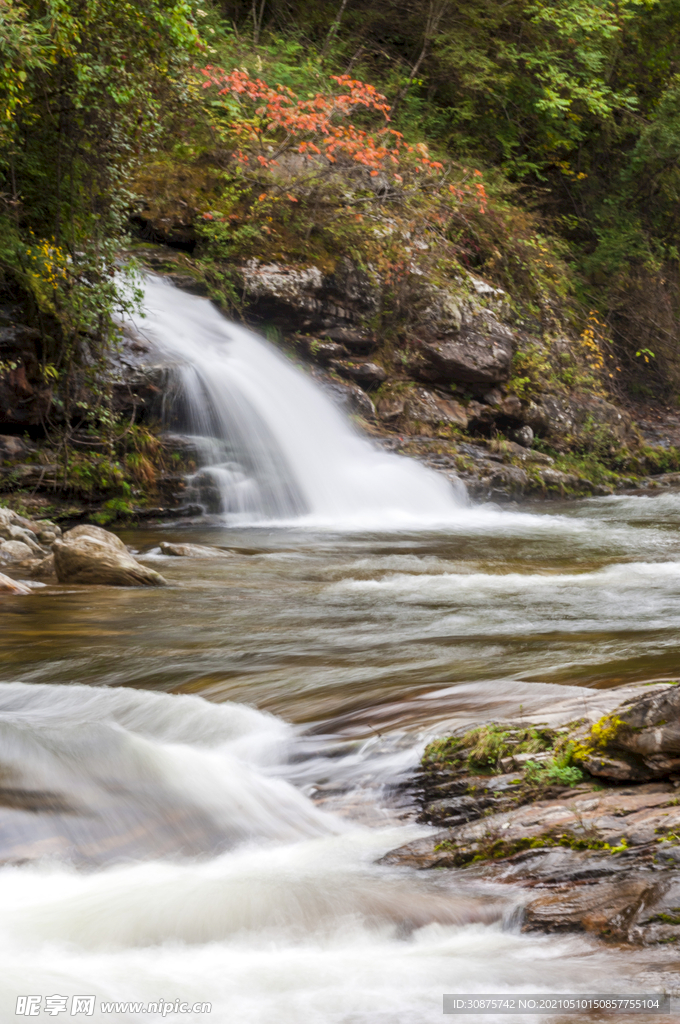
(274, 445)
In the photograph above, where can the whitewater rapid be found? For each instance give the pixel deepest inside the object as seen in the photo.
(289, 916)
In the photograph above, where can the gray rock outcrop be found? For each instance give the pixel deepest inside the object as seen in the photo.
(583, 853)
(638, 742)
(423, 406)
(15, 551)
(473, 357)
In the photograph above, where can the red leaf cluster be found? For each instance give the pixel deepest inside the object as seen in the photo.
(275, 120)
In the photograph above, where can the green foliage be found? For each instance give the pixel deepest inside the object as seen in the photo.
(571, 110)
(89, 474)
(531, 370)
(82, 87)
(113, 510)
(559, 770)
(443, 751)
(605, 730)
(485, 746)
(491, 847)
(481, 749)
(578, 100)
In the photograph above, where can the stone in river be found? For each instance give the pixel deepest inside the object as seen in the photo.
(192, 551)
(639, 741)
(89, 554)
(27, 537)
(15, 551)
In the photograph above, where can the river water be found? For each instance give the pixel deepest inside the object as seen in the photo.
(219, 760)
(199, 782)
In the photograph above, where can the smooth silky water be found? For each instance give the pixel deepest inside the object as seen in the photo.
(221, 759)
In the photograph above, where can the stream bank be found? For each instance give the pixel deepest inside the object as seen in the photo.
(594, 851)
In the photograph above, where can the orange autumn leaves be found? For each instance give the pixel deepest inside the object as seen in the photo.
(273, 120)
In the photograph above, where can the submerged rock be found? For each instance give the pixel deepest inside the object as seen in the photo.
(89, 554)
(193, 551)
(9, 586)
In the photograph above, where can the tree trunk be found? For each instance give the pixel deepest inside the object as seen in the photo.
(332, 32)
(434, 16)
(257, 21)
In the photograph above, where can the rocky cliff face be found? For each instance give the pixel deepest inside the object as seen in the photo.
(437, 384)
(432, 377)
(449, 364)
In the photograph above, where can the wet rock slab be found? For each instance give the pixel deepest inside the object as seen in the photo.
(599, 857)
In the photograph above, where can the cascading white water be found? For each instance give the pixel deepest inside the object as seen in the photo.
(279, 448)
(290, 920)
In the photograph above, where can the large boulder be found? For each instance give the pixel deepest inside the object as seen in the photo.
(89, 554)
(477, 357)
(458, 335)
(581, 417)
(15, 551)
(293, 296)
(26, 536)
(639, 741)
(193, 551)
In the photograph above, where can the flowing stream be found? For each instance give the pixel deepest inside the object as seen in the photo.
(217, 764)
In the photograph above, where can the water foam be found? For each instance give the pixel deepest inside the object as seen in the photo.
(629, 596)
(280, 448)
(306, 926)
